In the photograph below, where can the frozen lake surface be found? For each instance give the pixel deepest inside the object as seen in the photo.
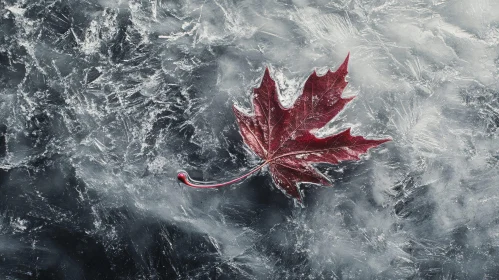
(103, 101)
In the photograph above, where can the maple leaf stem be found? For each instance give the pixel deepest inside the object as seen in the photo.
(184, 178)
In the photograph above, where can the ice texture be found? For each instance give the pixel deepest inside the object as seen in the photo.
(103, 101)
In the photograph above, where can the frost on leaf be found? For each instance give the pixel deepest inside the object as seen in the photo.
(282, 137)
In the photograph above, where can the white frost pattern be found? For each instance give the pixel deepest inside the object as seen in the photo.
(111, 98)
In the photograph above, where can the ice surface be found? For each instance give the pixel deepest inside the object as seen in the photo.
(101, 102)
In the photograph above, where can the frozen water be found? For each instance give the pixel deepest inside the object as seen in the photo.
(101, 102)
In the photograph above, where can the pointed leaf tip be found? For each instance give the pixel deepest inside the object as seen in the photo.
(344, 66)
(267, 71)
(266, 75)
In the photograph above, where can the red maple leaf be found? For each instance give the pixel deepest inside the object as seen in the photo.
(284, 139)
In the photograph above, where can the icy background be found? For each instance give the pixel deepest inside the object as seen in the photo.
(97, 114)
